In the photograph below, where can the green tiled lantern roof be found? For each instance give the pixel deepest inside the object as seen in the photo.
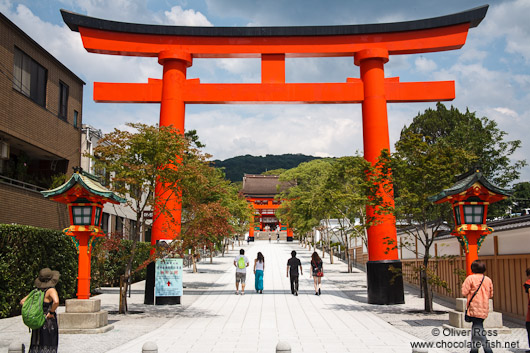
(466, 181)
(88, 181)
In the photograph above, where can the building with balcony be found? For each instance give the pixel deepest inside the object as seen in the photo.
(41, 104)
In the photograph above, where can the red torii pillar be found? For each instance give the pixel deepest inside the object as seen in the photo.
(370, 45)
(172, 112)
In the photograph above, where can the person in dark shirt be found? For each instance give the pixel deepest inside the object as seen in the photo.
(292, 269)
(527, 290)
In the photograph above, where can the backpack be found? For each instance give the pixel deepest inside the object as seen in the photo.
(241, 263)
(32, 312)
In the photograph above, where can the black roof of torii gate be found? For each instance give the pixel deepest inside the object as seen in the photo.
(472, 16)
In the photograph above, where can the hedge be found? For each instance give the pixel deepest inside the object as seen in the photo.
(24, 250)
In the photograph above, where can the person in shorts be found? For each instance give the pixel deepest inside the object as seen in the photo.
(241, 263)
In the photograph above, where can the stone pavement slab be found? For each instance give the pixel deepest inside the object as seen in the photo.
(256, 322)
(212, 318)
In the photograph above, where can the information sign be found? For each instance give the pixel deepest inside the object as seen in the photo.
(168, 278)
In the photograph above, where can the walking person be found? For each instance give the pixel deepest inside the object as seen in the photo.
(527, 290)
(292, 269)
(46, 338)
(259, 267)
(478, 289)
(317, 271)
(241, 264)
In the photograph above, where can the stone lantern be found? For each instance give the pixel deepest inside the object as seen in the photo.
(85, 198)
(470, 198)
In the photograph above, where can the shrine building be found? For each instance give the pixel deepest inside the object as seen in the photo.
(260, 191)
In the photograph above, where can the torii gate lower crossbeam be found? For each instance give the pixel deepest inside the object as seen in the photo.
(369, 45)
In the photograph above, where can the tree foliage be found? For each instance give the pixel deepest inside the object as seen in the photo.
(438, 145)
(338, 189)
(481, 138)
(142, 156)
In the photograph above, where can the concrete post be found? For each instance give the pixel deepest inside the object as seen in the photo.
(16, 347)
(149, 347)
(283, 347)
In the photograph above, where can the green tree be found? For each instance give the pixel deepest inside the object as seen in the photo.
(347, 191)
(438, 145)
(338, 189)
(479, 137)
(137, 160)
(420, 169)
(303, 205)
(521, 196)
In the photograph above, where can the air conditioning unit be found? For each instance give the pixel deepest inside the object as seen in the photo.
(4, 150)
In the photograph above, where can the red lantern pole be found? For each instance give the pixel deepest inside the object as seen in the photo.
(83, 271)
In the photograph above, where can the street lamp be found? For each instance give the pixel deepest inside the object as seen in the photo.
(470, 198)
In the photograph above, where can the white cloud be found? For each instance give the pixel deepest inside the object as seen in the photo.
(472, 54)
(509, 20)
(506, 111)
(5, 5)
(425, 65)
(332, 130)
(116, 10)
(181, 17)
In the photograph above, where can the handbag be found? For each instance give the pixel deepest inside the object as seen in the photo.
(468, 318)
(318, 266)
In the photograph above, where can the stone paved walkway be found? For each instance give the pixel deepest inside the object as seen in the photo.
(213, 319)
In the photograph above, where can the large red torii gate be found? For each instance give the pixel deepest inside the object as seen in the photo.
(369, 45)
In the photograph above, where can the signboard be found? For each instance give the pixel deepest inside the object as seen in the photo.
(168, 278)
(148, 214)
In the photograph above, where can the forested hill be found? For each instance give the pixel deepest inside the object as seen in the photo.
(237, 166)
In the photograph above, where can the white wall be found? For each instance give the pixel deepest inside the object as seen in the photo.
(511, 242)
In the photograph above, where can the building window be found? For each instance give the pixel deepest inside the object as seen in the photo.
(76, 116)
(29, 77)
(63, 100)
(105, 222)
(118, 228)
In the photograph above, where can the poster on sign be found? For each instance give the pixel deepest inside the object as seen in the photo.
(168, 278)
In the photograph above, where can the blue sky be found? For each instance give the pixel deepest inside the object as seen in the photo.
(492, 71)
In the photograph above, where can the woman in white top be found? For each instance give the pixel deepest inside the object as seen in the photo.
(259, 267)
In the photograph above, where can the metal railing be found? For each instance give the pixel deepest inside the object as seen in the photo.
(20, 184)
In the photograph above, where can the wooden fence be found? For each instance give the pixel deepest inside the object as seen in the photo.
(508, 273)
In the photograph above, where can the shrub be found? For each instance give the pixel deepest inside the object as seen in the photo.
(24, 250)
(110, 257)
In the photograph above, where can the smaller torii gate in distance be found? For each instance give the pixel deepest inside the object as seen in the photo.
(369, 45)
